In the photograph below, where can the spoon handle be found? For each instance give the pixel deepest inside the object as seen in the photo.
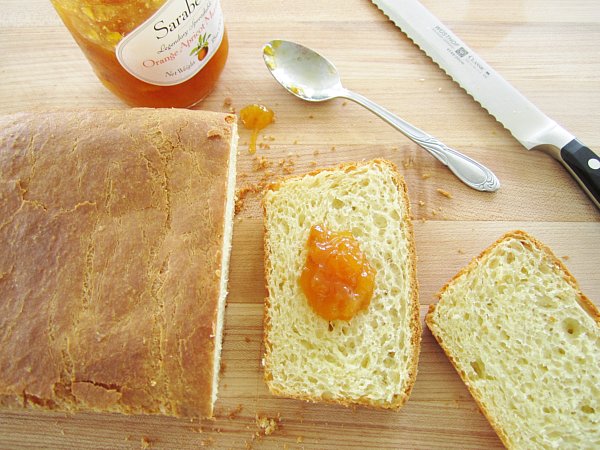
(469, 171)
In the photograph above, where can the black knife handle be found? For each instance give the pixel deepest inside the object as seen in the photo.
(584, 165)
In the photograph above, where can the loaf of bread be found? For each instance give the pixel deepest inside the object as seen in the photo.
(115, 234)
(372, 358)
(526, 342)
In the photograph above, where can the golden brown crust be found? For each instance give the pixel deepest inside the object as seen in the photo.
(415, 323)
(526, 239)
(109, 226)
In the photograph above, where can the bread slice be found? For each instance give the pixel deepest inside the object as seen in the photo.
(371, 359)
(526, 342)
(115, 234)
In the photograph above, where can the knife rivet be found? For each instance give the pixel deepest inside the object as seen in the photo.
(594, 164)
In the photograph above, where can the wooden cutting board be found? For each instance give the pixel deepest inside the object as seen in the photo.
(550, 51)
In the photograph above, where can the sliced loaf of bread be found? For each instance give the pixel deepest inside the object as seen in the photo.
(372, 358)
(115, 236)
(526, 342)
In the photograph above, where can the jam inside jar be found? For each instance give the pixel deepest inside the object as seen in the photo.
(337, 279)
(99, 26)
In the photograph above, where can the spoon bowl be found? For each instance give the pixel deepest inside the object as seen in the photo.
(313, 78)
(302, 71)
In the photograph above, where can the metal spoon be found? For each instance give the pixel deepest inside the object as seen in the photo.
(311, 77)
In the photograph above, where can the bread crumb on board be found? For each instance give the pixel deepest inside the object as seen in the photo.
(207, 442)
(145, 442)
(444, 193)
(287, 165)
(565, 257)
(242, 194)
(267, 425)
(228, 105)
(261, 163)
(235, 412)
(426, 175)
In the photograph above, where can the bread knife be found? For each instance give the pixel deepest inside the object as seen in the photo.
(530, 126)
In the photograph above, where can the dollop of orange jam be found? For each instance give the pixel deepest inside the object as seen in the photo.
(256, 117)
(337, 278)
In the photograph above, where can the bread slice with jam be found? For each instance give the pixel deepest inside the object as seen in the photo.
(370, 359)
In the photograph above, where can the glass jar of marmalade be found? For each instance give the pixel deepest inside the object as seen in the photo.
(156, 53)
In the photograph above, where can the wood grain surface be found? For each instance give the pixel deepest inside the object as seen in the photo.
(549, 49)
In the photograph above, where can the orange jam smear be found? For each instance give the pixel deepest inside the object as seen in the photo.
(337, 278)
(256, 117)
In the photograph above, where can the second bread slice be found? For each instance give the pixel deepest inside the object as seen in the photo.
(371, 359)
(525, 340)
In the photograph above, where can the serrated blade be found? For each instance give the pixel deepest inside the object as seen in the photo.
(530, 126)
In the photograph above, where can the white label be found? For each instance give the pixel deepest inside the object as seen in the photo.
(175, 43)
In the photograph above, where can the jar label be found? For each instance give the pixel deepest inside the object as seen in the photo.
(175, 43)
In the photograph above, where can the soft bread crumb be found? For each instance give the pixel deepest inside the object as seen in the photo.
(234, 413)
(261, 163)
(408, 162)
(244, 192)
(267, 425)
(444, 193)
(228, 105)
(207, 442)
(287, 165)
